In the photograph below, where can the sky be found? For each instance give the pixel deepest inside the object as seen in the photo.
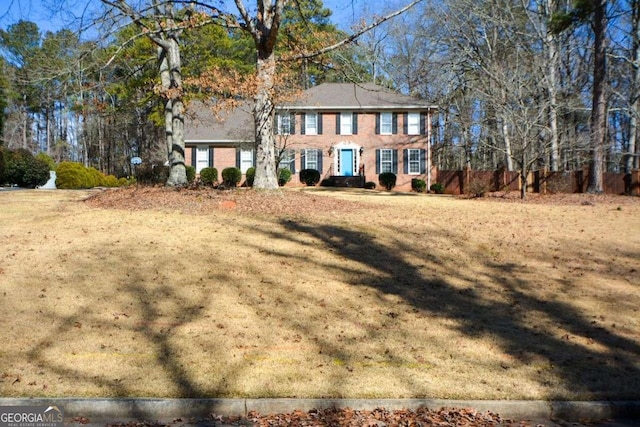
(51, 18)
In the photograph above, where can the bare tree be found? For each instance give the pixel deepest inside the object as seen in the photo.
(631, 160)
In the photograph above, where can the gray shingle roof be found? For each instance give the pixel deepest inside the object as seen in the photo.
(235, 126)
(202, 125)
(351, 96)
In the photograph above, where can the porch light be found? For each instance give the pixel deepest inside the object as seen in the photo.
(330, 150)
(361, 150)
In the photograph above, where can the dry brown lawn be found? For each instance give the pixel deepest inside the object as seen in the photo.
(312, 293)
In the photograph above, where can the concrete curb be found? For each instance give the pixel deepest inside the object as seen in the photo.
(153, 409)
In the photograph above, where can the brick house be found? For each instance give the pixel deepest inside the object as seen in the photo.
(350, 133)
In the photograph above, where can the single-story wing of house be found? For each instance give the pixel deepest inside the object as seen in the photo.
(350, 133)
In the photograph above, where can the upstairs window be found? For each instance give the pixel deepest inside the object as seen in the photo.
(311, 124)
(413, 123)
(386, 123)
(285, 124)
(346, 124)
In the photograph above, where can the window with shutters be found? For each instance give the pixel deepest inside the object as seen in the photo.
(386, 160)
(413, 124)
(287, 161)
(386, 123)
(246, 160)
(311, 159)
(284, 124)
(346, 123)
(413, 157)
(202, 158)
(311, 124)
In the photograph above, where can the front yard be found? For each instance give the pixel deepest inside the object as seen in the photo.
(318, 293)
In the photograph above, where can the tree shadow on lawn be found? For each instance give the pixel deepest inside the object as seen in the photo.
(397, 271)
(136, 309)
(610, 374)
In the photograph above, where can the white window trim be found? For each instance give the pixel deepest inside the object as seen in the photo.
(246, 163)
(413, 162)
(202, 162)
(386, 162)
(306, 158)
(288, 157)
(311, 130)
(344, 119)
(413, 123)
(383, 117)
(281, 130)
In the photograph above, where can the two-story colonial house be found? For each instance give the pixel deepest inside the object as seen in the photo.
(349, 132)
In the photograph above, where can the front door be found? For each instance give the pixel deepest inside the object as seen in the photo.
(346, 162)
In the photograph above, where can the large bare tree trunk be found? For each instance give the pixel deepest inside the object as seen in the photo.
(171, 79)
(263, 114)
(264, 32)
(166, 36)
(599, 107)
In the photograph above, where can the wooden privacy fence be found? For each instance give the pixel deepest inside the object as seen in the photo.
(475, 182)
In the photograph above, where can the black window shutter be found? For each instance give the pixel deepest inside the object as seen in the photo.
(423, 161)
(395, 162)
(423, 123)
(303, 126)
(405, 124)
(194, 150)
(210, 156)
(377, 123)
(238, 158)
(394, 123)
(337, 123)
(303, 159)
(319, 124)
(276, 120)
(320, 161)
(377, 162)
(292, 130)
(405, 161)
(355, 124)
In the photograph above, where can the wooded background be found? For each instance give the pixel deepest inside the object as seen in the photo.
(522, 85)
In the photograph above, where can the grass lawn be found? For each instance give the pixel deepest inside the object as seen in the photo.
(334, 294)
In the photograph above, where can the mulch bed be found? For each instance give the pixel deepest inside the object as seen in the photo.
(207, 200)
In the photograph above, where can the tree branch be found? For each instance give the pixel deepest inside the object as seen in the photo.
(352, 37)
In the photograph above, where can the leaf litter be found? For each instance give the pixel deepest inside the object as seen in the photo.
(348, 417)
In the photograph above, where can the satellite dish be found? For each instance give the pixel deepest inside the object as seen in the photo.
(136, 160)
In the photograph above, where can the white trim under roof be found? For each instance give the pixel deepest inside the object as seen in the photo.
(359, 107)
(216, 141)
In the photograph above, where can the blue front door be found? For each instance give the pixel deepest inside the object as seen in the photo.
(346, 162)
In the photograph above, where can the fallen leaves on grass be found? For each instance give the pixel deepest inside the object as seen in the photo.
(380, 417)
(347, 417)
(207, 200)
